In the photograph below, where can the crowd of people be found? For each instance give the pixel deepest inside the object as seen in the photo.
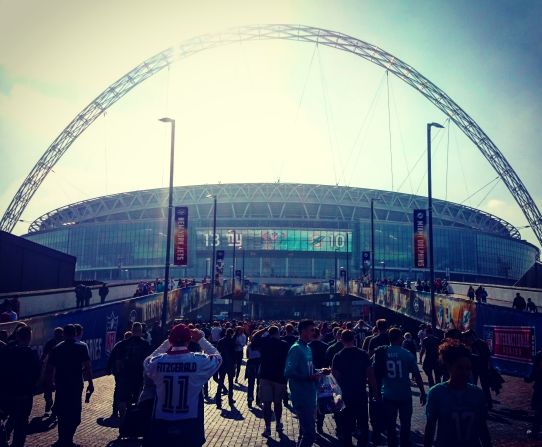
(162, 385)
(520, 304)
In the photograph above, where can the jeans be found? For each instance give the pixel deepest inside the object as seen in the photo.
(18, 410)
(307, 432)
(221, 376)
(238, 359)
(432, 373)
(354, 412)
(391, 408)
(68, 409)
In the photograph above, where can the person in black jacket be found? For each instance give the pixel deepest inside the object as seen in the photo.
(57, 338)
(67, 365)
(129, 365)
(274, 352)
(18, 377)
(226, 347)
(318, 348)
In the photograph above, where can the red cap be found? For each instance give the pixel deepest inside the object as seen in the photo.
(179, 334)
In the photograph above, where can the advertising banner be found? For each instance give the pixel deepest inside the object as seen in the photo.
(180, 237)
(420, 238)
(219, 267)
(516, 343)
(452, 312)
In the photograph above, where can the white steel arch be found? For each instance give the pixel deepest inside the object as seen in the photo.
(299, 33)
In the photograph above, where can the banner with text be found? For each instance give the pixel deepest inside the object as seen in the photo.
(516, 343)
(420, 238)
(180, 249)
(219, 267)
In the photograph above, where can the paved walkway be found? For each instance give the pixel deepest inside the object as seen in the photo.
(508, 423)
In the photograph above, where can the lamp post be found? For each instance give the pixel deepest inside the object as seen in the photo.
(347, 264)
(232, 277)
(383, 263)
(169, 216)
(430, 218)
(213, 263)
(335, 267)
(373, 260)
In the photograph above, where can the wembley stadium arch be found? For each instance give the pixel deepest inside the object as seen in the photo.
(298, 33)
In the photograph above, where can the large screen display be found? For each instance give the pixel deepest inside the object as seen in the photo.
(277, 239)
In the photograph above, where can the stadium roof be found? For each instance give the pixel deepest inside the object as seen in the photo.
(273, 201)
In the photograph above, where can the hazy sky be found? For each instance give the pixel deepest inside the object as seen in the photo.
(264, 111)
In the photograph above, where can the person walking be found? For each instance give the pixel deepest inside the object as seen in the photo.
(480, 363)
(18, 383)
(519, 303)
(531, 307)
(254, 358)
(103, 291)
(58, 337)
(456, 409)
(381, 339)
(79, 295)
(319, 348)
(67, 365)
(274, 352)
(302, 381)
(129, 357)
(226, 348)
(353, 371)
(429, 357)
(87, 295)
(536, 402)
(393, 364)
(178, 376)
(240, 343)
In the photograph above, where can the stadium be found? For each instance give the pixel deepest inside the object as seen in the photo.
(284, 234)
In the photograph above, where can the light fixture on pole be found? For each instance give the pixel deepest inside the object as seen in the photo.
(213, 268)
(373, 260)
(233, 276)
(169, 218)
(430, 218)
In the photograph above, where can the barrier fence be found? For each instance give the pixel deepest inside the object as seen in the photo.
(105, 324)
(513, 336)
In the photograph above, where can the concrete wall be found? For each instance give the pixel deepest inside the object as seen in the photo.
(501, 295)
(35, 303)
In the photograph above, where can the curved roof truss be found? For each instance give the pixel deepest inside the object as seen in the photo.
(271, 201)
(299, 33)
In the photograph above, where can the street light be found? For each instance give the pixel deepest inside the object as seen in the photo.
(383, 263)
(373, 260)
(169, 217)
(233, 274)
(213, 196)
(430, 218)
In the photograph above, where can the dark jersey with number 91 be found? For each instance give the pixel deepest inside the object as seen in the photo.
(458, 414)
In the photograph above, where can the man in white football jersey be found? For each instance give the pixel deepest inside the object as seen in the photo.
(179, 376)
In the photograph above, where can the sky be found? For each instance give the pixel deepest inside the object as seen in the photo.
(270, 111)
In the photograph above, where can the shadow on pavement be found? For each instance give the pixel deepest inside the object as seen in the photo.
(41, 424)
(234, 414)
(108, 422)
(283, 441)
(125, 443)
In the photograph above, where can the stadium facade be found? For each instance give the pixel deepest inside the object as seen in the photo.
(284, 234)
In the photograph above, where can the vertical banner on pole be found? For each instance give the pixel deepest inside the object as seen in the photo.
(238, 283)
(180, 249)
(219, 269)
(420, 238)
(343, 279)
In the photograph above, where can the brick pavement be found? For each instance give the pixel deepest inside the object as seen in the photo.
(508, 422)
